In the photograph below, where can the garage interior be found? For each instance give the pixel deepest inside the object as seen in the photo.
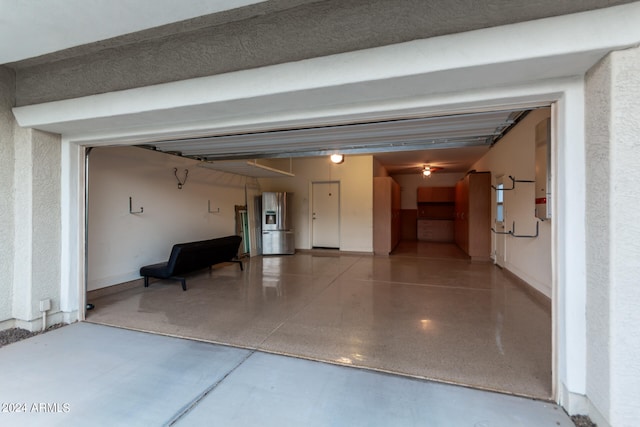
(259, 66)
(418, 305)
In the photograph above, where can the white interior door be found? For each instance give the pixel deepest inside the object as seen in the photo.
(325, 211)
(500, 219)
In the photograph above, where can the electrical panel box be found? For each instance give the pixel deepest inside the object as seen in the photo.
(543, 170)
(45, 305)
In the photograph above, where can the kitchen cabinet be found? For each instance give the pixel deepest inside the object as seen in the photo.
(386, 215)
(436, 207)
(472, 230)
(436, 230)
(408, 224)
(435, 194)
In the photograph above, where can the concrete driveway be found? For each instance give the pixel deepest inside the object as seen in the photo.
(93, 375)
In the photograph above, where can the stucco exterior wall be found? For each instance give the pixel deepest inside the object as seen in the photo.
(626, 222)
(598, 129)
(23, 233)
(36, 273)
(310, 30)
(7, 94)
(613, 238)
(625, 235)
(46, 221)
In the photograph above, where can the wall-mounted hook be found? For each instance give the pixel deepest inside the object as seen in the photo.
(184, 180)
(209, 208)
(501, 232)
(131, 208)
(513, 231)
(513, 184)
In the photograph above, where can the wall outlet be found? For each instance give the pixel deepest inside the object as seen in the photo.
(45, 305)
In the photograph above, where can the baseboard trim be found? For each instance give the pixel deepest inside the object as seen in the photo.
(579, 404)
(597, 417)
(540, 298)
(114, 289)
(334, 252)
(7, 324)
(35, 325)
(573, 403)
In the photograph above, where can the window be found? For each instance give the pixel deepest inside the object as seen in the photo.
(500, 203)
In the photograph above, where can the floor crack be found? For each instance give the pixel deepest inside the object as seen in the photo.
(188, 407)
(259, 346)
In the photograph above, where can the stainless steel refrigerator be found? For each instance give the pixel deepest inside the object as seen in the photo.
(277, 224)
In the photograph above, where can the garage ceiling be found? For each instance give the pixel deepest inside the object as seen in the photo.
(250, 168)
(452, 142)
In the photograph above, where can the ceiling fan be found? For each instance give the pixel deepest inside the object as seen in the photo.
(426, 169)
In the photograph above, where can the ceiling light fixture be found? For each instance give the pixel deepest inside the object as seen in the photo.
(426, 172)
(337, 158)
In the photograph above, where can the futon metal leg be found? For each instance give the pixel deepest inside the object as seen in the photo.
(239, 262)
(146, 281)
(182, 280)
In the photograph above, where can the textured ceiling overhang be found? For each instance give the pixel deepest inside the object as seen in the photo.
(455, 74)
(264, 34)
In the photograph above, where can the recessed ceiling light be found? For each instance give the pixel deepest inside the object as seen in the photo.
(337, 158)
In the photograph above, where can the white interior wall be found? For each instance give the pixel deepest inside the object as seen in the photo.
(121, 242)
(72, 231)
(252, 191)
(356, 198)
(514, 155)
(378, 169)
(568, 248)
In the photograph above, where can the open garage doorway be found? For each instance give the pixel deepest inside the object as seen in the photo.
(429, 313)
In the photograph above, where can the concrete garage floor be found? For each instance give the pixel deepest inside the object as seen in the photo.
(427, 313)
(86, 374)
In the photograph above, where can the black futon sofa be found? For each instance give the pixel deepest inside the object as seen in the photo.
(193, 256)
